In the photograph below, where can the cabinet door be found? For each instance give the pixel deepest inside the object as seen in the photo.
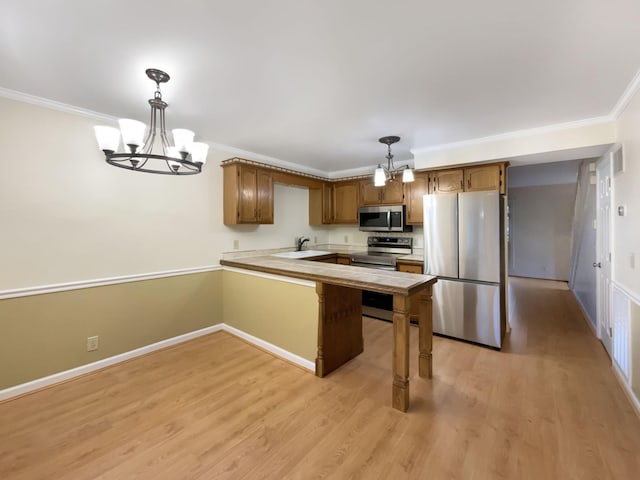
(414, 193)
(345, 202)
(369, 194)
(264, 197)
(447, 181)
(410, 267)
(248, 198)
(487, 177)
(343, 259)
(393, 192)
(327, 203)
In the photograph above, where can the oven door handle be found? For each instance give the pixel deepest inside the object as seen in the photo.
(389, 219)
(375, 266)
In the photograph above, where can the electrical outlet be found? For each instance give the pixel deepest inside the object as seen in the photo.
(92, 343)
(346, 239)
(632, 260)
(315, 240)
(236, 244)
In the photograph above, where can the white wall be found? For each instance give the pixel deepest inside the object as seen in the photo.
(66, 215)
(626, 190)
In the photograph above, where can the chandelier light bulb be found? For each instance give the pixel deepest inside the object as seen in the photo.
(182, 139)
(407, 175)
(108, 138)
(379, 177)
(132, 133)
(199, 152)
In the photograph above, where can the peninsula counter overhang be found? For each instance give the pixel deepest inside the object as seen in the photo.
(381, 281)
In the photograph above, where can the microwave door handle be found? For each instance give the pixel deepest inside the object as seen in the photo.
(389, 219)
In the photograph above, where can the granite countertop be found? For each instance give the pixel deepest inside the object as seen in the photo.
(383, 281)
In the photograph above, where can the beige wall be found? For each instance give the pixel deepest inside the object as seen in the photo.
(281, 313)
(514, 144)
(68, 216)
(46, 334)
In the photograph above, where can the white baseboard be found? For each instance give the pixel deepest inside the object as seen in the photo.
(585, 315)
(49, 380)
(635, 403)
(277, 351)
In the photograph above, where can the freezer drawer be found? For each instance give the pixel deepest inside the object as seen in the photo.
(469, 311)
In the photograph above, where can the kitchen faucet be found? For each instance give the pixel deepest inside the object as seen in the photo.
(300, 242)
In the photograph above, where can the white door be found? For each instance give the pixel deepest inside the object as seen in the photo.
(603, 253)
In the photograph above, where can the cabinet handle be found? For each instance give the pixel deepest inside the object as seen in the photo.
(461, 184)
(468, 183)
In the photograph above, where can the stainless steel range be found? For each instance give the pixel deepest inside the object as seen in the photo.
(382, 254)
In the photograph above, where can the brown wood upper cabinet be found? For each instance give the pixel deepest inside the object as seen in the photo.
(413, 196)
(469, 179)
(334, 202)
(447, 181)
(486, 177)
(248, 194)
(392, 193)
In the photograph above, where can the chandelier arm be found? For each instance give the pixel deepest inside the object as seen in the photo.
(143, 163)
(148, 141)
(163, 133)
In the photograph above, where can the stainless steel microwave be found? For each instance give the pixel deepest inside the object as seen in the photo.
(389, 218)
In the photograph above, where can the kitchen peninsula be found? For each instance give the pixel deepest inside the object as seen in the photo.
(339, 319)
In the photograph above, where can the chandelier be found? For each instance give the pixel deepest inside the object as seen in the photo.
(382, 174)
(152, 153)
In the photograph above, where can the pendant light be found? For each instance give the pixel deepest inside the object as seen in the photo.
(152, 153)
(382, 174)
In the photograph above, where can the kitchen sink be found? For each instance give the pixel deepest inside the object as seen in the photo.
(301, 254)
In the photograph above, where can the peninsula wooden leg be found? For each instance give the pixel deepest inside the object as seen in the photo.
(400, 389)
(320, 358)
(339, 326)
(425, 333)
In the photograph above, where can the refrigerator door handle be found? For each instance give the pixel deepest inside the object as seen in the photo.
(389, 218)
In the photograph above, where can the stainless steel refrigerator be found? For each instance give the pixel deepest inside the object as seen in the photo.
(464, 248)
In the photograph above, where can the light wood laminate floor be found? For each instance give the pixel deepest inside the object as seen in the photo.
(547, 407)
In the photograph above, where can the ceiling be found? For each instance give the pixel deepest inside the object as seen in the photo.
(316, 83)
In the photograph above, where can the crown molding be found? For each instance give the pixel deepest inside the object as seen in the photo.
(258, 157)
(626, 96)
(517, 134)
(52, 104)
(64, 107)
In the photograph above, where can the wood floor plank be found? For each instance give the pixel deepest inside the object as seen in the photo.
(547, 406)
